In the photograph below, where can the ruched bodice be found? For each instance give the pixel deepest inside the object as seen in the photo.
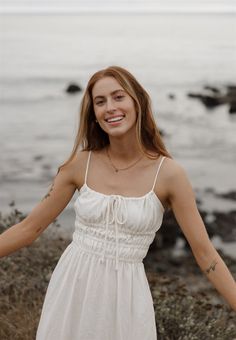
(116, 226)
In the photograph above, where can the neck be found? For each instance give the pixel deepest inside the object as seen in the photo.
(124, 150)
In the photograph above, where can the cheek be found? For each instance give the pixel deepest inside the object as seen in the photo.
(132, 108)
(97, 113)
(134, 112)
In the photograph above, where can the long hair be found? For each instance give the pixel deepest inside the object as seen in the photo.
(90, 135)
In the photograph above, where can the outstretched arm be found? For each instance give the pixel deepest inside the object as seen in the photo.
(45, 212)
(183, 204)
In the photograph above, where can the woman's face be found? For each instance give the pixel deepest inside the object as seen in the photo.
(114, 108)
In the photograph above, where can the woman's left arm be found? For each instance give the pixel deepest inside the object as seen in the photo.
(183, 203)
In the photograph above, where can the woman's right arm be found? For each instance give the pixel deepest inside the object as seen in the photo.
(45, 212)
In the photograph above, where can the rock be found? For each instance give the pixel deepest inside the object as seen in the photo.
(228, 195)
(162, 132)
(223, 225)
(38, 157)
(217, 223)
(171, 96)
(169, 231)
(232, 108)
(212, 89)
(73, 88)
(231, 94)
(207, 100)
(211, 100)
(231, 88)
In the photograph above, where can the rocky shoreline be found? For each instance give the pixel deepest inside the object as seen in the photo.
(218, 223)
(212, 97)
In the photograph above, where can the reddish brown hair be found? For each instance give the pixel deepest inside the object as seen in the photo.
(90, 135)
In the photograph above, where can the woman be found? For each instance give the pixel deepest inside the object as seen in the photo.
(126, 179)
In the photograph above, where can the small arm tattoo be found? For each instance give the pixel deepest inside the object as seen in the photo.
(48, 194)
(211, 267)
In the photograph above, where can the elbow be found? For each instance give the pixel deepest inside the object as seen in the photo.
(202, 245)
(203, 250)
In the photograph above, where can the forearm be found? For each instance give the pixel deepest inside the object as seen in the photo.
(14, 238)
(218, 274)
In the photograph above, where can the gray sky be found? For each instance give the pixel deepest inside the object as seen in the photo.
(113, 5)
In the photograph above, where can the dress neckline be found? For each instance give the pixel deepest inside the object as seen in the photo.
(151, 192)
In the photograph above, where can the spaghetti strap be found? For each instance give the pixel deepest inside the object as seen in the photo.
(87, 166)
(158, 169)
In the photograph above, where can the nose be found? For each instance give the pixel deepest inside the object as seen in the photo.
(110, 106)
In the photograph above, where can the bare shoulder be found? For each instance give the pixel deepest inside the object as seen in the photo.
(173, 170)
(175, 178)
(77, 167)
(74, 170)
(80, 158)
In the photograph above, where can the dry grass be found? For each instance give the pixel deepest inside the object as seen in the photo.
(24, 278)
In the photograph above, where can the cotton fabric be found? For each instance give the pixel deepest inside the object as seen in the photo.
(99, 289)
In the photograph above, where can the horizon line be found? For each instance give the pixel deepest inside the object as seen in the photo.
(83, 10)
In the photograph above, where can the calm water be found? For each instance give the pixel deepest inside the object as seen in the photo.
(167, 53)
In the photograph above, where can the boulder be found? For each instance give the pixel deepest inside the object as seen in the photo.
(171, 96)
(73, 88)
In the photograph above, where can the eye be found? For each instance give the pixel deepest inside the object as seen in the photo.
(100, 102)
(119, 97)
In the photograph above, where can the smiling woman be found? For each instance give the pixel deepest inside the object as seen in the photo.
(126, 179)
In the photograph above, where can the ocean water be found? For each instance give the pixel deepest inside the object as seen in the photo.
(168, 53)
(125, 6)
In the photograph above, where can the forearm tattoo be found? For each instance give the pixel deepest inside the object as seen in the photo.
(211, 267)
(48, 194)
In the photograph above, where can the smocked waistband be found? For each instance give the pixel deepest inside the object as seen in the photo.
(126, 253)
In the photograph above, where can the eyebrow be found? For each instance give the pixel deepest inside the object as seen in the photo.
(112, 93)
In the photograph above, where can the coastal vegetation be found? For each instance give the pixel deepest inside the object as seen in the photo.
(186, 306)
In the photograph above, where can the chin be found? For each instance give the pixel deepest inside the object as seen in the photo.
(116, 134)
(119, 132)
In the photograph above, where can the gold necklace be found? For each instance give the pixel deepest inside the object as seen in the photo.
(121, 169)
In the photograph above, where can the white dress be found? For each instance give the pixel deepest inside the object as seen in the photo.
(99, 289)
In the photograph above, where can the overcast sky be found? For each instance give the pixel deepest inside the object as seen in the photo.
(113, 5)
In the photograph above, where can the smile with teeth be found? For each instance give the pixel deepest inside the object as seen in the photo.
(114, 119)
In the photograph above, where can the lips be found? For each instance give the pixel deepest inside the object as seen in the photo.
(114, 119)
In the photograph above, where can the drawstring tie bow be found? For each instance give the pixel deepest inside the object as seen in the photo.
(114, 214)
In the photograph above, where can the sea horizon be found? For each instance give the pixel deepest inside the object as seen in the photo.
(122, 7)
(170, 54)
(104, 11)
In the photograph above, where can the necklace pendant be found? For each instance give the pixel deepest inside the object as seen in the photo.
(126, 168)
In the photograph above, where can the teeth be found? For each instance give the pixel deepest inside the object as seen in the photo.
(115, 119)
